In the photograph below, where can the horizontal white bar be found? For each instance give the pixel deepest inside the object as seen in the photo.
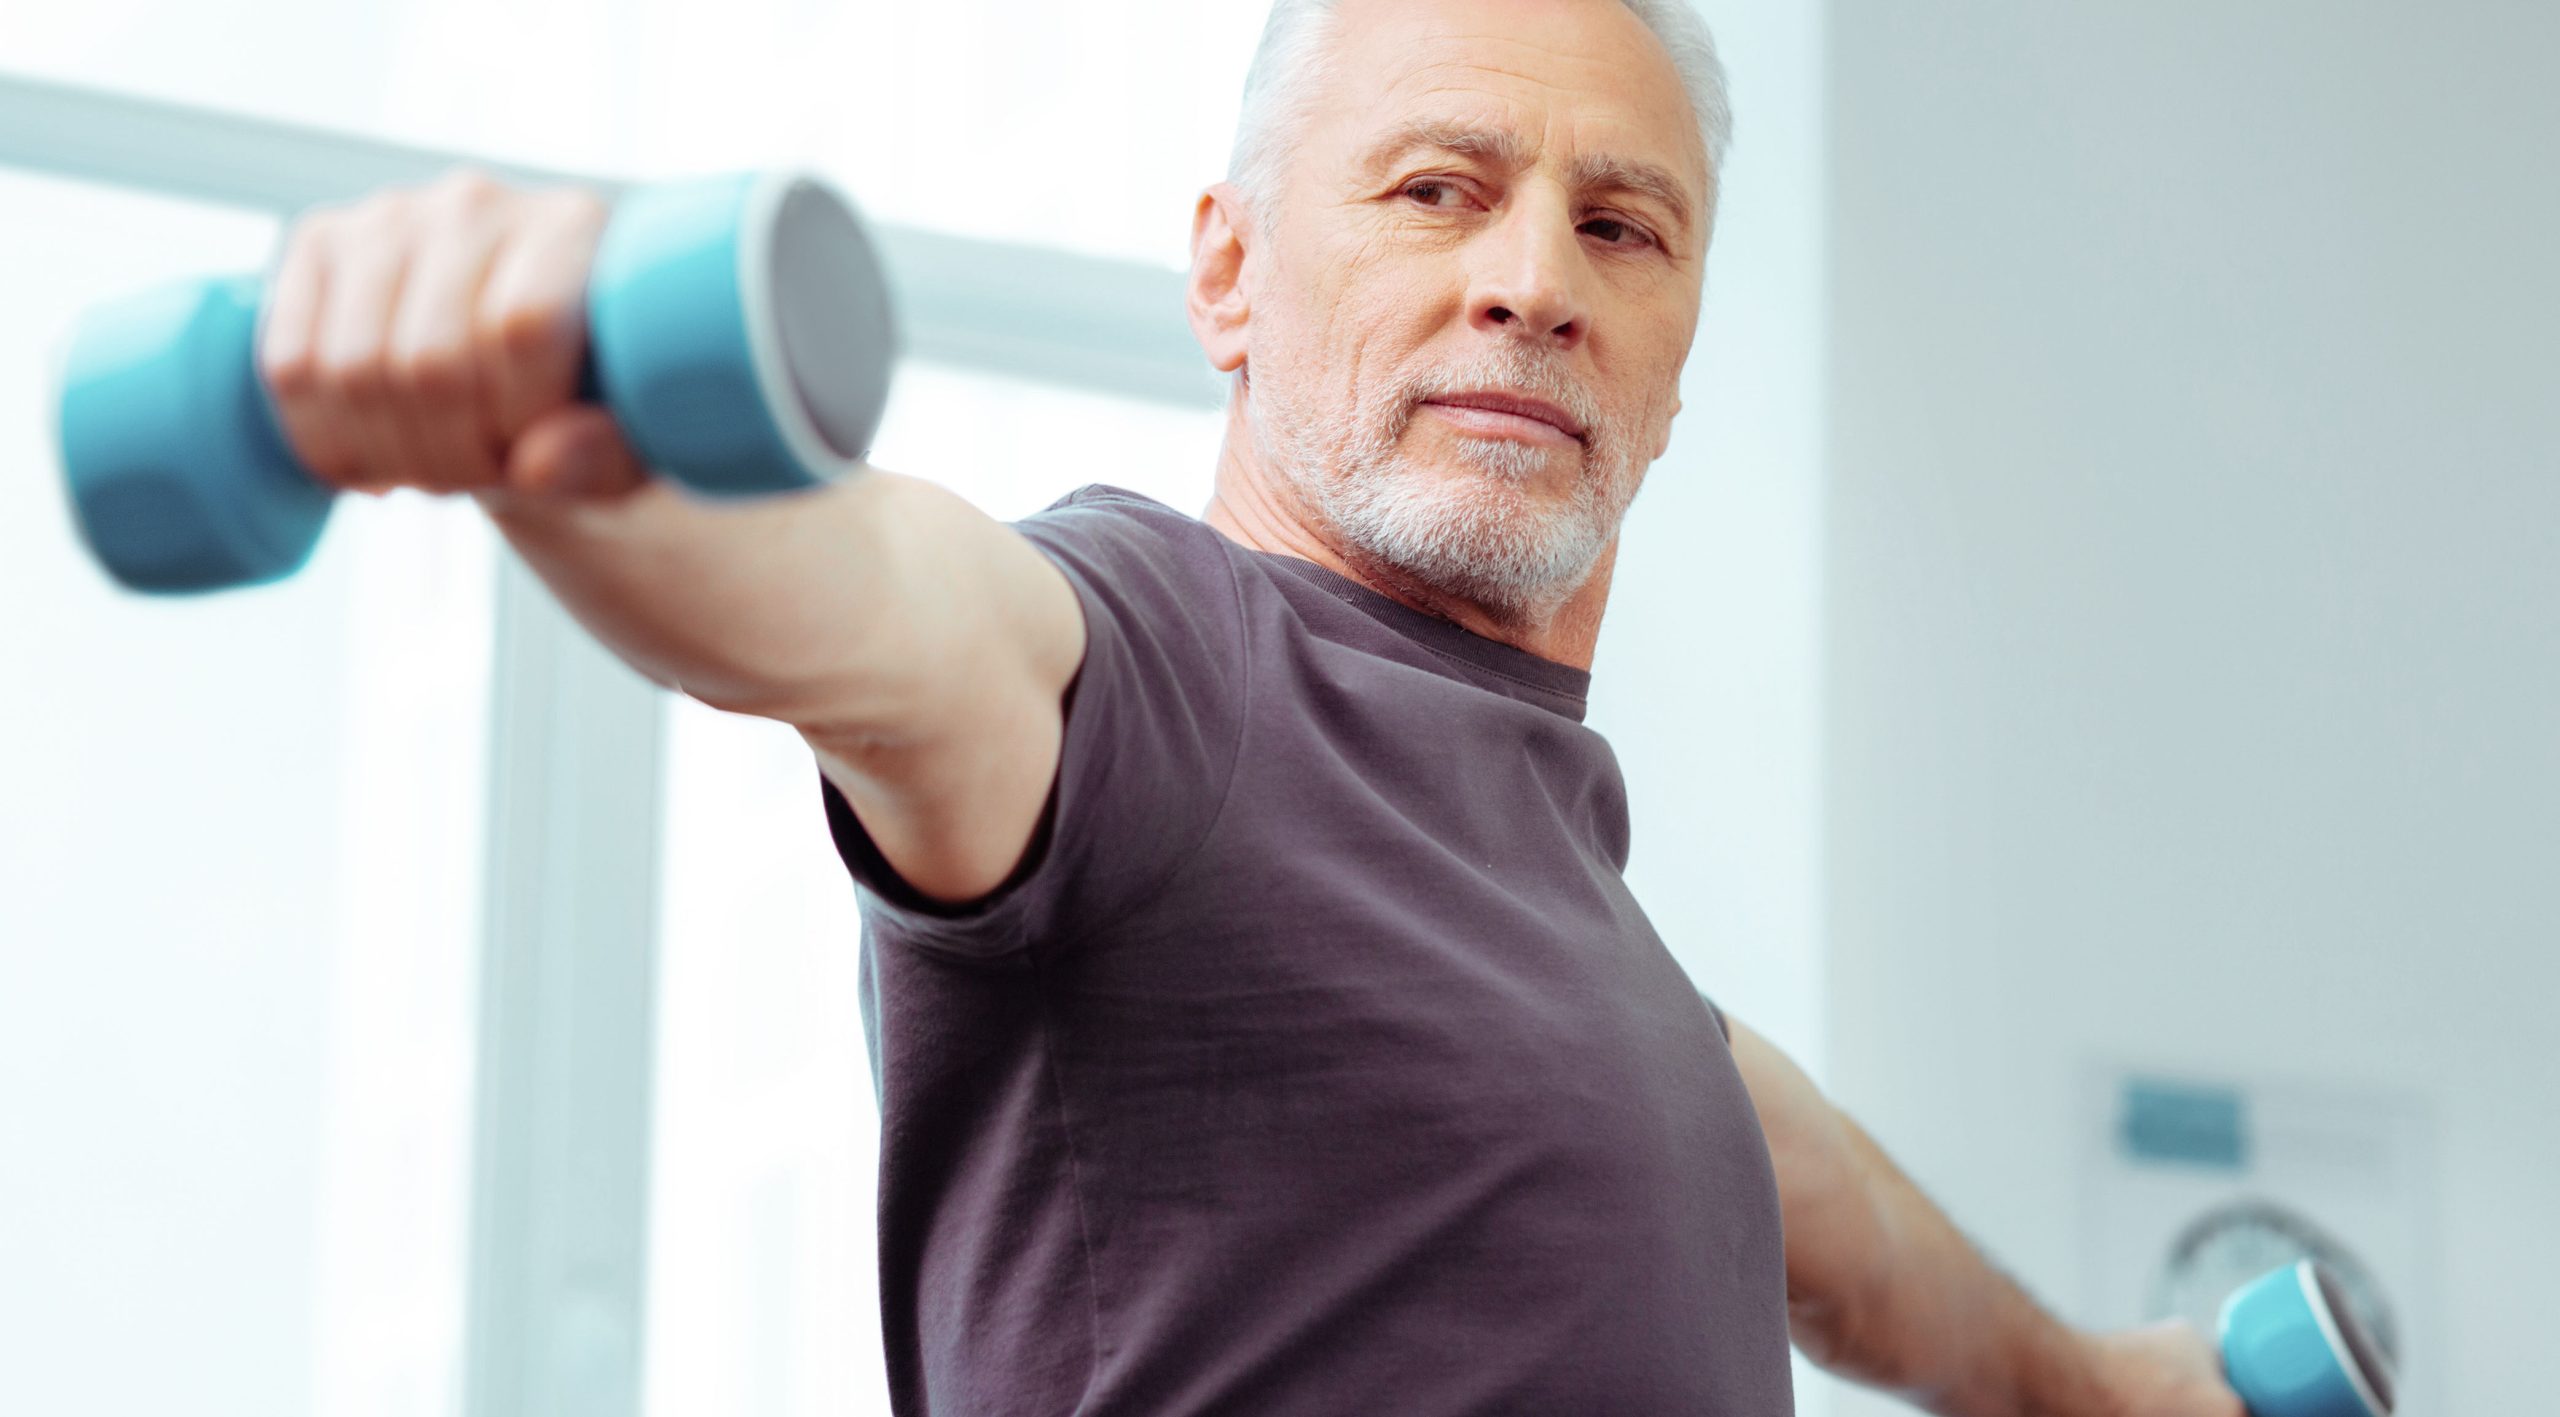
(1115, 327)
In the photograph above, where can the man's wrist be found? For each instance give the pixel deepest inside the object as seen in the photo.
(2062, 1373)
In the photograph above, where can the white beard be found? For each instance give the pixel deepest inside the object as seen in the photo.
(1488, 539)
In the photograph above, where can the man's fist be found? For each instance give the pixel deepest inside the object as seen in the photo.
(431, 337)
(2166, 1369)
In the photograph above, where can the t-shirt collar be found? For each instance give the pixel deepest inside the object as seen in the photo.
(1561, 681)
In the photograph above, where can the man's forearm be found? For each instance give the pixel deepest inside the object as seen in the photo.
(1945, 1330)
(805, 607)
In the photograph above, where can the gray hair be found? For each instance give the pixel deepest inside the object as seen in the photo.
(1280, 86)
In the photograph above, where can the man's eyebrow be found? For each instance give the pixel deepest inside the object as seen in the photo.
(1499, 145)
(1603, 173)
(1504, 148)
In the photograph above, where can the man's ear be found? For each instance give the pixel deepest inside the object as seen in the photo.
(1216, 299)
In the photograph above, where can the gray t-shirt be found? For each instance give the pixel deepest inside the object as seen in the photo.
(1316, 1059)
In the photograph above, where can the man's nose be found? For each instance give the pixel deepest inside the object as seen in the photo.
(1526, 275)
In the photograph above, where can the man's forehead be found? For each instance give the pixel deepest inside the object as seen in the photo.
(1465, 76)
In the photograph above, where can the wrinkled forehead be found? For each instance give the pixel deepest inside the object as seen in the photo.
(1573, 82)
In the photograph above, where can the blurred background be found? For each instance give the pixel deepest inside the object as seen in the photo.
(2087, 672)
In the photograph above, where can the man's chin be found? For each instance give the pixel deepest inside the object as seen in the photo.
(1512, 459)
(1472, 501)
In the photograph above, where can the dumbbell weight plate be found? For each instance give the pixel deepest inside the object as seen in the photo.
(743, 331)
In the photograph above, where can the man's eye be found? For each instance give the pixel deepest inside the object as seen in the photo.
(1641, 239)
(1412, 187)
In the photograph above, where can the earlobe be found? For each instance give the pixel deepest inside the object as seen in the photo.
(1216, 299)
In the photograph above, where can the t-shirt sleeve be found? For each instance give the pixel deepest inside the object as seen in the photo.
(1153, 716)
(1718, 1015)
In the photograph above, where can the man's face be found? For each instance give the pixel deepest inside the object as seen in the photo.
(1478, 203)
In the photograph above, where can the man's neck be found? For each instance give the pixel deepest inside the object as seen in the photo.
(1248, 510)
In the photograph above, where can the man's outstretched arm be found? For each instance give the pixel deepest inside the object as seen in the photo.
(1883, 1290)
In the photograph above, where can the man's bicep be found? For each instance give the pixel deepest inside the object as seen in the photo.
(1792, 1110)
(1835, 1236)
(952, 798)
(953, 816)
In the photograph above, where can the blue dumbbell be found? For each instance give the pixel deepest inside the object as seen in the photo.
(739, 329)
(2292, 1348)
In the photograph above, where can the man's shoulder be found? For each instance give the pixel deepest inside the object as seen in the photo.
(1114, 532)
(1100, 503)
(1136, 558)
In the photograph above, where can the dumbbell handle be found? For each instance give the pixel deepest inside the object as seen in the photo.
(217, 321)
(238, 301)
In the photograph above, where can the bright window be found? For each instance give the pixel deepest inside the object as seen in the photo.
(239, 917)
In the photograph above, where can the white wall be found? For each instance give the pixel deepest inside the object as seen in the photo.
(2193, 577)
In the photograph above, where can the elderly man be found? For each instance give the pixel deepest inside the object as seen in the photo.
(1262, 1022)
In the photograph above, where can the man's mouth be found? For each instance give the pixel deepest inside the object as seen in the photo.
(1502, 415)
